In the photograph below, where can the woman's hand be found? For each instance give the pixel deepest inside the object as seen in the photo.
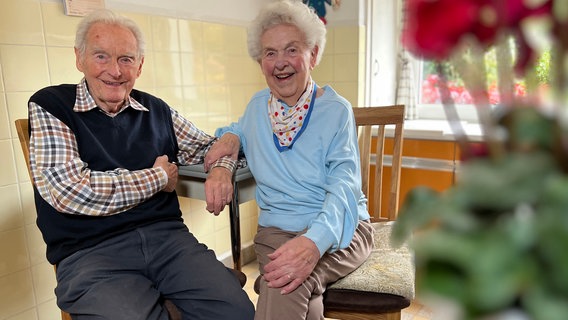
(291, 264)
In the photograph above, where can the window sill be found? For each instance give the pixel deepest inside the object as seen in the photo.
(437, 130)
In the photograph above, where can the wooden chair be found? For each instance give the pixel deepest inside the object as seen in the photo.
(22, 127)
(384, 284)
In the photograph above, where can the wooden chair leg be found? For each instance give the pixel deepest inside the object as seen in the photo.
(65, 316)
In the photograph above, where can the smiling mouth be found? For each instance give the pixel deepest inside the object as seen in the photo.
(113, 83)
(283, 76)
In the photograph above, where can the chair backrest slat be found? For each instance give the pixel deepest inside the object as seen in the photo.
(366, 119)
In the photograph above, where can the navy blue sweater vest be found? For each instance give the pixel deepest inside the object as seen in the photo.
(131, 140)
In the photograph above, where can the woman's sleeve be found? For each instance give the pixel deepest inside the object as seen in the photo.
(335, 226)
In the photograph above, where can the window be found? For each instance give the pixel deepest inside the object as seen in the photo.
(428, 84)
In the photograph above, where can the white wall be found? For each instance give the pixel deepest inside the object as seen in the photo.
(235, 12)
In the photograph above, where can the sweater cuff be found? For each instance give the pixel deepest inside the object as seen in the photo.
(322, 237)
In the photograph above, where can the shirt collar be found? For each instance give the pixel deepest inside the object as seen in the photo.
(85, 102)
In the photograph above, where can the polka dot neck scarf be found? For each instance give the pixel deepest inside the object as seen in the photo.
(288, 122)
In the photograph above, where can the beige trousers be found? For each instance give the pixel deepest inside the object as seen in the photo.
(306, 302)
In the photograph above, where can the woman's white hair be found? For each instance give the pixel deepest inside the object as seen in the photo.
(287, 12)
(107, 17)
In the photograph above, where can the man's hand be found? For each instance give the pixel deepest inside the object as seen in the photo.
(218, 189)
(291, 264)
(171, 170)
(227, 146)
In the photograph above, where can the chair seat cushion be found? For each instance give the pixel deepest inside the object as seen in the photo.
(387, 270)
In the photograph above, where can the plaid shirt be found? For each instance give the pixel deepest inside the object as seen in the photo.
(67, 183)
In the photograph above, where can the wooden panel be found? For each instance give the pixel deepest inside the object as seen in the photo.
(442, 150)
(411, 177)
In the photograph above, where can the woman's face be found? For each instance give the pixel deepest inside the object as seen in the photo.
(286, 62)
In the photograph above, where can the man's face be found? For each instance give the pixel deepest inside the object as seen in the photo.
(110, 64)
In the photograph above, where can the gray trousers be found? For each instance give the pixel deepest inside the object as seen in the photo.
(306, 302)
(127, 277)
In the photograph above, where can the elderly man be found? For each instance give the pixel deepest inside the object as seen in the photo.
(103, 158)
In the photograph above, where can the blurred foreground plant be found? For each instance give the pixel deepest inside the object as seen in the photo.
(495, 243)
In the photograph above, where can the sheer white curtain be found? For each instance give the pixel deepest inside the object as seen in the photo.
(405, 88)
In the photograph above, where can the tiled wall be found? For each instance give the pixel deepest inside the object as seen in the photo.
(200, 68)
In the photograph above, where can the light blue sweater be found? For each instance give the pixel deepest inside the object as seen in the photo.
(315, 185)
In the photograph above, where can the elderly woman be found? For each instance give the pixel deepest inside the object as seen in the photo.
(300, 142)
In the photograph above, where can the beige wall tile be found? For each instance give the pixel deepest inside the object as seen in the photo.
(36, 246)
(167, 68)
(5, 122)
(345, 68)
(241, 70)
(147, 80)
(222, 221)
(49, 311)
(16, 293)
(173, 96)
(14, 255)
(323, 73)
(62, 67)
(349, 90)
(200, 222)
(215, 68)
(20, 23)
(17, 103)
(26, 315)
(27, 203)
(222, 240)
(217, 107)
(145, 25)
(44, 281)
(239, 97)
(195, 101)
(192, 69)
(236, 41)
(165, 35)
(209, 240)
(25, 67)
(59, 29)
(8, 172)
(21, 167)
(191, 36)
(10, 213)
(346, 39)
(213, 37)
(1, 78)
(248, 229)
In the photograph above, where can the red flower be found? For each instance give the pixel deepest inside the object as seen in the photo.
(435, 27)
